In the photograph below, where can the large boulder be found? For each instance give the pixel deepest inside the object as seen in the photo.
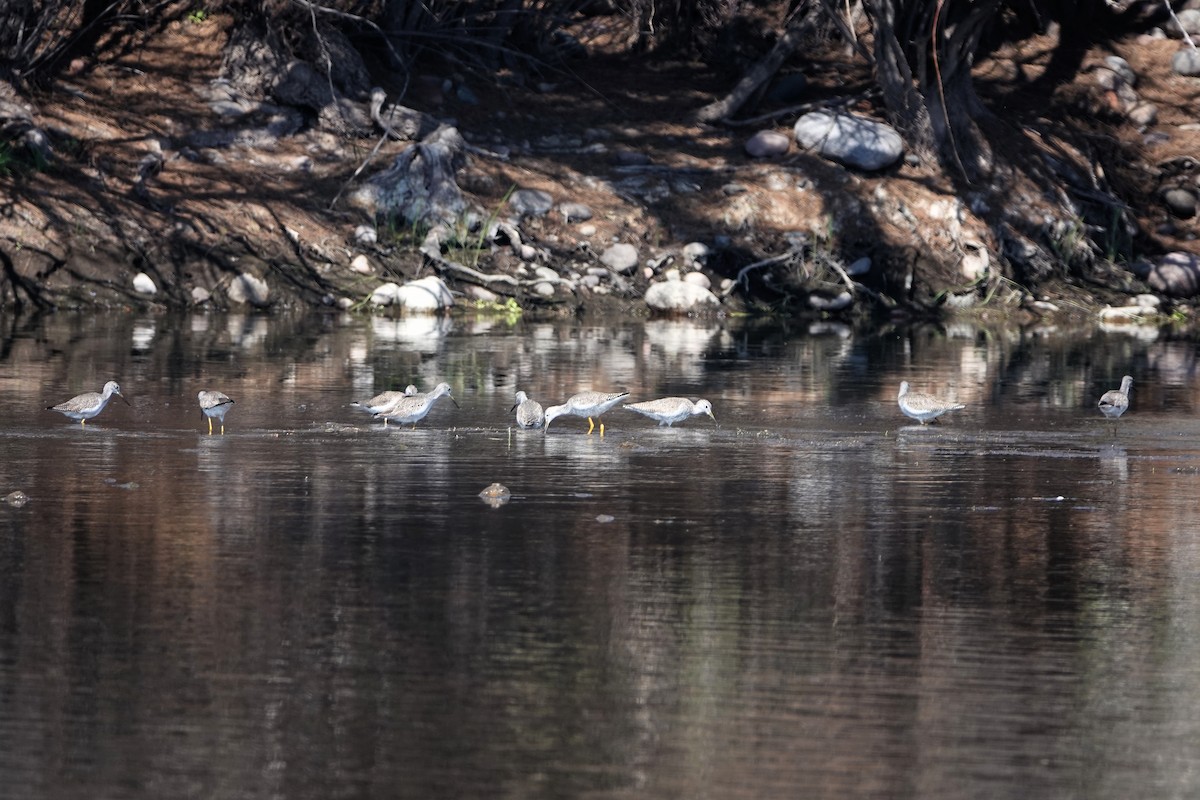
(679, 297)
(426, 295)
(249, 290)
(1175, 274)
(850, 140)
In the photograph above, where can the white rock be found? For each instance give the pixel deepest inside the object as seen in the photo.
(144, 284)
(425, 295)
(386, 294)
(1186, 62)
(544, 289)
(200, 295)
(480, 294)
(531, 202)
(361, 264)
(1148, 301)
(620, 258)
(850, 140)
(546, 272)
(527, 252)
(698, 279)
(365, 234)
(246, 289)
(696, 253)
(587, 230)
(859, 267)
(344, 303)
(975, 262)
(838, 303)
(767, 144)
(672, 274)
(679, 296)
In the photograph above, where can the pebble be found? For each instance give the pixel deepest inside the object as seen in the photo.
(531, 202)
(361, 264)
(620, 257)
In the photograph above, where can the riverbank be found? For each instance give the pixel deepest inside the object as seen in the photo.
(168, 187)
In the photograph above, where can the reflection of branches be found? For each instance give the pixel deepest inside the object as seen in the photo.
(20, 284)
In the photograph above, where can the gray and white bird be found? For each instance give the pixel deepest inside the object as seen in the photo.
(87, 405)
(669, 410)
(413, 408)
(383, 400)
(529, 412)
(1115, 402)
(585, 404)
(924, 408)
(214, 405)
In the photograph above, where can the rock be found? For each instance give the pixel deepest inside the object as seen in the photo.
(366, 234)
(361, 264)
(1180, 202)
(144, 284)
(785, 89)
(527, 252)
(630, 158)
(200, 295)
(677, 296)
(424, 296)
(672, 274)
(1189, 19)
(246, 289)
(620, 258)
(975, 261)
(1122, 69)
(1125, 315)
(859, 267)
(344, 303)
(1175, 275)
(1143, 115)
(479, 294)
(1148, 301)
(767, 144)
(698, 279)
(838, 303)
(696, 253)
(587, 230)
(386, 294)
(545, 287)
(531, 202)
(574, 212)
(850, 140)
(1186, 62)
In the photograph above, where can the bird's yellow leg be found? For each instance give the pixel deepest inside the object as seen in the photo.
(591, 426)
(83, 423)
(222, 427)
(210, 426)
(602, 428)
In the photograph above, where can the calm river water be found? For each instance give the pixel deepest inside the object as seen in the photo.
(814, 599)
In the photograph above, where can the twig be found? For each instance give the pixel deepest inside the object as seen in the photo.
(766, 262)
(1179, 24)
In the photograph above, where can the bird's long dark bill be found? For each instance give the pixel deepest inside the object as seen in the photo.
(456, 405)
(123, 398)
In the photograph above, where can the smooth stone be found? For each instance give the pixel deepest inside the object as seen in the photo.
(546, 273)
(1121, 67)
(480, 294)
(696, 253)
(698, 279)
(678, 296)
(247, 289)
(366, 234)
(767, 144)
(531, 202)
(144, 284)
(859, 267)
(1186, 62)
(1175, 275)
(1180, 202)
(361, 264)
(587, 230)
(838, 303)
(1143, 115)
(574, 212)
(1148, 301)
(591, 281)
(620, 257)
(672, 274)
(344, 303)
(850, 140)
(1189, 19)
(385, 294)
(200, 295)
(425, 295)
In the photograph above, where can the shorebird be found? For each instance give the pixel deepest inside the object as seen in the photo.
(214, 405)
(384, 400)
(1114, 402)
(529, 412)
(924, 408)
(413, 408)
(87, 405)
(670, 410)
(585, 404)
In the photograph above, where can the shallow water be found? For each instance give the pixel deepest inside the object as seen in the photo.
(815, 595)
